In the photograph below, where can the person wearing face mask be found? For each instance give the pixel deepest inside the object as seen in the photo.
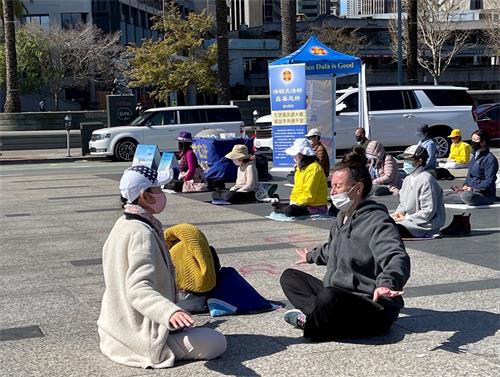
(366, 266)
(383, 169)
(247, 180)
(140, 324)
(426, 141)
(191, 177)
(420, 212)
(479, 186)
(360, 136)
(309, 195)
(314, 137)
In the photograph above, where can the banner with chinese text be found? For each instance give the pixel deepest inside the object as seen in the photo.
(287, 88)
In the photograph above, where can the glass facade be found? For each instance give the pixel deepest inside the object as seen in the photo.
(39, 19)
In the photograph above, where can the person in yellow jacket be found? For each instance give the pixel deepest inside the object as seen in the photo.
(310, 191)
(460, 152)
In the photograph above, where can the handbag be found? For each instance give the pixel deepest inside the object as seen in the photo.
(198, 183)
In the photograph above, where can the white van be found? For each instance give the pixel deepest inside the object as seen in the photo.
(161, 126)
(395, 112)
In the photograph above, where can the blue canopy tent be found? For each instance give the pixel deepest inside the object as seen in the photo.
(324, 63)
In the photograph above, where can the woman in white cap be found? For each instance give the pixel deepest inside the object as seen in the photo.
(140, 324)
(247, 180)
(310, 192)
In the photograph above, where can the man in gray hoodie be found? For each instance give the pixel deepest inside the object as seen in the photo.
(366, 266)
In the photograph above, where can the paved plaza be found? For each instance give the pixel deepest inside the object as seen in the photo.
(55, 218)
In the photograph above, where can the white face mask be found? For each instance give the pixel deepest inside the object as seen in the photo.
(237, 162)
(342, 200)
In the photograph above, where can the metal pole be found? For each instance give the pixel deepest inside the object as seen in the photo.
(68, 152)
(400, 45)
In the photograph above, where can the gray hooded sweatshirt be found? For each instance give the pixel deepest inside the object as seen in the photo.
(365, 253)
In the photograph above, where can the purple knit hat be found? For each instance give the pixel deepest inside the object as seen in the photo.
(185, 136)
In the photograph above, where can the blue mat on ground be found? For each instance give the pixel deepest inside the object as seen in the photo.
(234, 295)
(220, 202)
(283, 217)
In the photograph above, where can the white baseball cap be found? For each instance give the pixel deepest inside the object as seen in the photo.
(301, 146)
(313, 132)
(137, 179)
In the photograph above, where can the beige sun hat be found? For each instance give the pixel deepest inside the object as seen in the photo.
(239, 152)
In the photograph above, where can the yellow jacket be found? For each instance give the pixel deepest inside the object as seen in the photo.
(310, 188)
(190, 253)
(460, 153)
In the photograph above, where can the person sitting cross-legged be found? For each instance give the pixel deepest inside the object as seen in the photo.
(383, 170)
(420, 212)
(310, 191)
(460, 152)
(366, 266)
(479, 187)
(247, 180)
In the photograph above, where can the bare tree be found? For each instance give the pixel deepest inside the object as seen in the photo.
(76, 57)
(441, 36)
(221, 14)
(492, 28)
(12, 103)
(288, 26)
(343, 40)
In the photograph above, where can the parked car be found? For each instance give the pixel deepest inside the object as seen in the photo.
(395, 112)
(161, 126)
(488, 119)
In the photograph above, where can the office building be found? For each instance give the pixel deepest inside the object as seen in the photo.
(133, 18)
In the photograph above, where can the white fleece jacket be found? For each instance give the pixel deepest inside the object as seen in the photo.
(139, 297)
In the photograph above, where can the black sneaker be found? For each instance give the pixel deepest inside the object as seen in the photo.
(295, 318)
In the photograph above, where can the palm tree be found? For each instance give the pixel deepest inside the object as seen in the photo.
(12, 103)
(412, 63)
(288, 26)
(221, 15)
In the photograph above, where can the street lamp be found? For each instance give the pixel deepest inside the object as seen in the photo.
(67, 125)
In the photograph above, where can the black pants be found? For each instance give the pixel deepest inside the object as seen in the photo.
(291, 210)
(470, 198)
(404, 232)
(234, 197)
(333, 313)
(175, 185)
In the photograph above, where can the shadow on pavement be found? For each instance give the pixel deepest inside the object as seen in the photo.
(245, 347)
(468, 326)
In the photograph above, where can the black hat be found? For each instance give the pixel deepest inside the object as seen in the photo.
(424, 128)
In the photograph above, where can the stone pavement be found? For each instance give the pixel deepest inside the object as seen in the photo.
(54, 220)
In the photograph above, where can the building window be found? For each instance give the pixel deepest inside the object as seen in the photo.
(476, 4)
(73, 20)
(125, 13)
(38, 19)
(134, 18)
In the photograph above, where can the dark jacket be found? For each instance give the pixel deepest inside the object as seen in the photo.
(364, 253)
(482, 173)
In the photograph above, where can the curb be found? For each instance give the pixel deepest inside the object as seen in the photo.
(41, 160)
